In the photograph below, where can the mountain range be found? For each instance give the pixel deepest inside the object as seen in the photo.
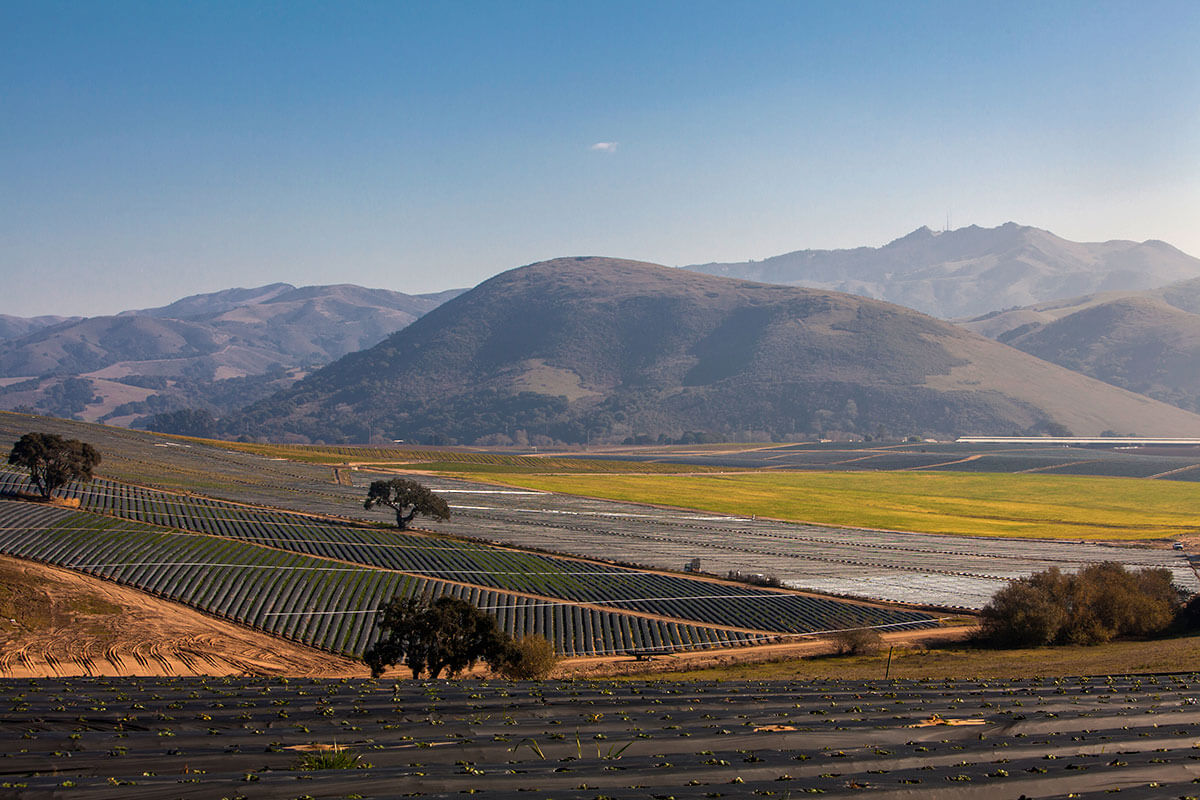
(603, 349)
(595, 348)
(211, 351)
(972, 271)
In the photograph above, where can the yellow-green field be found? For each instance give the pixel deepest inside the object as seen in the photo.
(1026, 506)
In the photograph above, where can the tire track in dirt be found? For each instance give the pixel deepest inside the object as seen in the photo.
(138, 656)
(7, 658)
(113, 656)
(47, 656)
(80, 652)
(156, 652)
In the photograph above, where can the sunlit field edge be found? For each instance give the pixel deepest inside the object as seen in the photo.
(957, 661)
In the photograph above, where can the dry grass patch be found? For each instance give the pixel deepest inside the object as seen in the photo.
(962, 661)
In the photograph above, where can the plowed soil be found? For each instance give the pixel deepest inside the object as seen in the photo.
(54, 623)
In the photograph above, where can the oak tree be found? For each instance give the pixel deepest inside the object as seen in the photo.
(430, 636)
(53, 461)
(407, 498)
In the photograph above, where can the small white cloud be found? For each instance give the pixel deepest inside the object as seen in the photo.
(604, 147)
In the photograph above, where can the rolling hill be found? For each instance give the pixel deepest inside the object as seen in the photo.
(973, 271)
(582, 349)
(15, 327)
(211, 351)
(1147, 342)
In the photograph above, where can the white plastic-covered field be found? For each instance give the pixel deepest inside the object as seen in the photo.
(883, 565)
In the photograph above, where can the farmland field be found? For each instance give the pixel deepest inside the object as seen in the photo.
(318, 602)
(1022, 506)
(485, 565)
(1173, 463)
(112, 739)
(945, 570)
(885, 565)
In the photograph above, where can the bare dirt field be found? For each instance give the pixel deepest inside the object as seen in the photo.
(55, 623)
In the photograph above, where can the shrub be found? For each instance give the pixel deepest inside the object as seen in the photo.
(1188, 618)
(1099, 603)
(1028, 612)
(857, 641)
(531, 657)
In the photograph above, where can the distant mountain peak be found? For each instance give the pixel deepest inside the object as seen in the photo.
(973, 270)
(213, 302)
(920, 234)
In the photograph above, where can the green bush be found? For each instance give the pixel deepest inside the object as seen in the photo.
(1099, 603)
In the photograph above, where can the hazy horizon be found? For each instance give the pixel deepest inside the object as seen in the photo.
(152, 151)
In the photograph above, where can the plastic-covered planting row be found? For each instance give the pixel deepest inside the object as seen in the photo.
(666, 595)
(314, 601)
(988, 458)
(187, 512)
(877, 564)
(115, 738)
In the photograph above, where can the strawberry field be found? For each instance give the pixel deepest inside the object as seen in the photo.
(317, 602)
(482, 565)
(1086, 737)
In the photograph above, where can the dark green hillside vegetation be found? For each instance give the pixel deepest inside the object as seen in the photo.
(575, 350)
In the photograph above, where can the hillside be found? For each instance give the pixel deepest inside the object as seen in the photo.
(1147, 342)
(598, 349)
(973, 271)
(14, 327)
(211, 351)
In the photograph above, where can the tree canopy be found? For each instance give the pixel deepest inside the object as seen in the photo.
(53, 461)
(444, 634)
(407, 498)
(1100, 602)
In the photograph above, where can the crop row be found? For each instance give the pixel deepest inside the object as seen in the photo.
(170, 737)
(315, 601)
(666, 595)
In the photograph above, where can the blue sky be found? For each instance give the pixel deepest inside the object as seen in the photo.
(153, 150)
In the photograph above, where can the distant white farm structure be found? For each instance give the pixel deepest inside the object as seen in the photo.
(1114, 441)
